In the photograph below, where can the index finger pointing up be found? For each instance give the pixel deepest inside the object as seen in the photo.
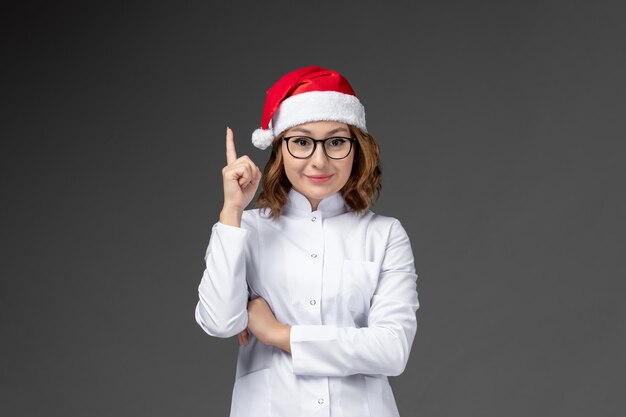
(231, 154)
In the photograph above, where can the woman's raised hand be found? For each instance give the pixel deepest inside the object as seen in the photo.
(241, 179)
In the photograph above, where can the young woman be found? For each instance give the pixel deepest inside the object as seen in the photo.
(320, 291)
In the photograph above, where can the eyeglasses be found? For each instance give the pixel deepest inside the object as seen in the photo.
(302, 147)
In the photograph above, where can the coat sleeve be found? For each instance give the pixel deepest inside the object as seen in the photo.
(223, 291)
(383, 346)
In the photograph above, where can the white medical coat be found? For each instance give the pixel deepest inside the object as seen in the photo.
(346, 283)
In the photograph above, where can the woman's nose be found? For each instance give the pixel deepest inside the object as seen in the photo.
(319, 157)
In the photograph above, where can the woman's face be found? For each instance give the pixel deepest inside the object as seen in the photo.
(318, 176)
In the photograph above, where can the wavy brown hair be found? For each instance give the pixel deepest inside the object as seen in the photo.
(360, 191)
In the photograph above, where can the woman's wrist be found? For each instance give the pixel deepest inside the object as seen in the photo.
(283, 337)
(231, 216)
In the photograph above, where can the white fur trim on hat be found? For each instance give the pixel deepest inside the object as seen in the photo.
(314, 106)
(262, 138)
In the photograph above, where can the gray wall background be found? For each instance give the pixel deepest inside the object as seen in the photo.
(502, 130)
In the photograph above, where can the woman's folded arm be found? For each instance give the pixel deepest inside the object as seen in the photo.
(383, 346)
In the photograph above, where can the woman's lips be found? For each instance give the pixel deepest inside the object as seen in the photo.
(318, 178)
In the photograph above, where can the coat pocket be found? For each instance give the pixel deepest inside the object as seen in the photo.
(359, 279)
(251, 395)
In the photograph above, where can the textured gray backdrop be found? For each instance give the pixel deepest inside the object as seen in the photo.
(502, 131)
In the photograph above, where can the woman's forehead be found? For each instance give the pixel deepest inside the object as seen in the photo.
(320, 128)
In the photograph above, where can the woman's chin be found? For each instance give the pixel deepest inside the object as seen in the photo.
(318, 191)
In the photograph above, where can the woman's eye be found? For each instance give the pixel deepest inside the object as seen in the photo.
(302, 142)
(337, 142)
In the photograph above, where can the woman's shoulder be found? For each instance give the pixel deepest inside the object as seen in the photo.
(379, 220)
(385, 225)
(254, 217)
(249, 219)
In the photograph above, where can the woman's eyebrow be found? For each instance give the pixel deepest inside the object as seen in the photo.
(308, 132)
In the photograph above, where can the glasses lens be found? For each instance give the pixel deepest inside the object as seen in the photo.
(300, 147)
(337, 147)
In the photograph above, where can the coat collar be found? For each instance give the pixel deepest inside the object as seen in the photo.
(299, 206)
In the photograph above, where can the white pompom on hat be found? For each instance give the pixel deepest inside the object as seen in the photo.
(308, 94)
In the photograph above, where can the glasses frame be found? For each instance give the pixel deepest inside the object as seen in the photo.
(352, 140)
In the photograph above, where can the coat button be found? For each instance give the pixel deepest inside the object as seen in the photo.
(313, 218)
(312, 302)
(320, 401)
(314, 255)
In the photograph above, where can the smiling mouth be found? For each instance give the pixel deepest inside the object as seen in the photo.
(319, 178)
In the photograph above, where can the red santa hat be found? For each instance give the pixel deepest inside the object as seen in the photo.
(304, 95)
